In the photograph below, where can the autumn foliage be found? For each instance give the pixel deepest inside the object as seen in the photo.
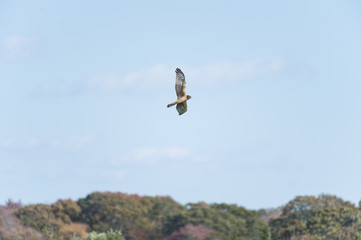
(11, 227)
(132, 217)
(198, 232)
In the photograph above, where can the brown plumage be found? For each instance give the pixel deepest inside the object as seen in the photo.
(180, 89)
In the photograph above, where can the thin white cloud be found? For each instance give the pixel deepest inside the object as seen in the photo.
(162, 76)
(144, 79)
(81, 141)
(17, 144)
(9, 143)
(159, 155)
(33, 142)
(206, 75)
(154, 155)
(114, 174)
(172, 158)
(59, 89)
(16, 46)
(74, 142)
(230, 72)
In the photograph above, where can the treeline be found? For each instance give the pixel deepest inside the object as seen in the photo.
(133, 217)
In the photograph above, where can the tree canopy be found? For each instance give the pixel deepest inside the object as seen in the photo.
(108, 215)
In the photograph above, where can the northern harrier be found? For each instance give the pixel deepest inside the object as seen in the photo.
(180, 89)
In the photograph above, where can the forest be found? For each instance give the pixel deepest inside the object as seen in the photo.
(121, 216)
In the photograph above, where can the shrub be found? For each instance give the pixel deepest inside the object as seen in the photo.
(109, 235)
(74, 230)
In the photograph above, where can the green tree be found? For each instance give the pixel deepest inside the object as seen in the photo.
(321, 217)
(191, 232)
(11, 227)
(103, 211)
(227, 220)
(66, 210)
(40, 217)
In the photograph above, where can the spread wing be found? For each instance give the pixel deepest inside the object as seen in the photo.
(182, 107)
(180, 83)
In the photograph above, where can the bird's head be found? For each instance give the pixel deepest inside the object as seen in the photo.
(188, 97)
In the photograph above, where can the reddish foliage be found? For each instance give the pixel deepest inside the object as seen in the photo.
(11, 227)
(302, 238)
(135, 233)
(13, 205)
(74, 229)
(191, 232)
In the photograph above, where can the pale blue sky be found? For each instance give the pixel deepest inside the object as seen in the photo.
(275, 109)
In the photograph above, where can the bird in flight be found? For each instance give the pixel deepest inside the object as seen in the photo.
(180, 89)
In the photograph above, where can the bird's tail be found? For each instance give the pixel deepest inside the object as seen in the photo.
(172, 104)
